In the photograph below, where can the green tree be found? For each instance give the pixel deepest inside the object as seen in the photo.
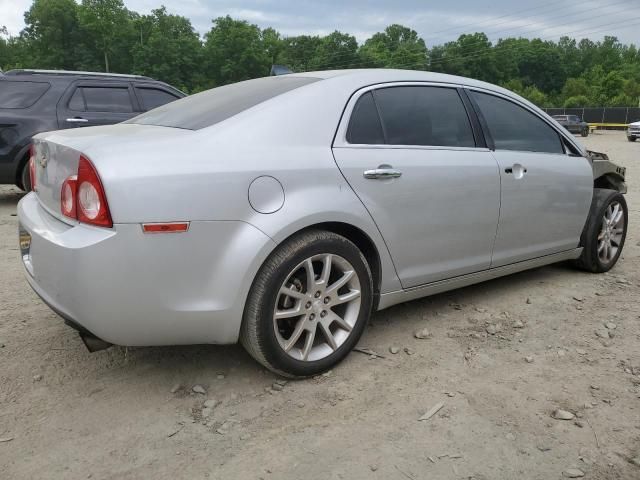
(300, 52)
(397, 47)
(168, 48)
(109, 27)
(336, 50)
(52, 34)
(234, 51)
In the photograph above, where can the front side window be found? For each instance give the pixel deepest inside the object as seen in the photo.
(515, 128)
(107, 99)
(430, 116)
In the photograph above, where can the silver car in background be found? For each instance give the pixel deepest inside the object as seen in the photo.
(283, 211)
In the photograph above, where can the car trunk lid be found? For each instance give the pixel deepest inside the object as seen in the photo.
(57, 155)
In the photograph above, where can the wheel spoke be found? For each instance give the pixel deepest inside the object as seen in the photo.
(293, 312)
(291, 341)
(341, 282)
(308, 343)
(601, 245)
(347, 297)
(326, 269)
(311, 276)
(329, 336)
(290, 292)
(338, 320)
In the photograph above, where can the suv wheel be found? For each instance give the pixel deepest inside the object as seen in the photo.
(585, 132)
(631, 139)
(604, 235)
(308, 305)
(25, 178)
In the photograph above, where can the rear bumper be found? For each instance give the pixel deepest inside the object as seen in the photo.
(131, 288)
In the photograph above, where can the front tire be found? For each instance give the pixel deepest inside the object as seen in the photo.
(631, 139)
(606, 230)
(308, 304)
(585, 132)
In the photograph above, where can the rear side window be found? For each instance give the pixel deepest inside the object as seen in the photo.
(218, 104)
(515, 128)
(364, 125)
(153, 97)
(21, 94)
(416, 115)
(107, 99)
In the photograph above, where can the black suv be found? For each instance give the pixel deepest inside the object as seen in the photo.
(34, 101)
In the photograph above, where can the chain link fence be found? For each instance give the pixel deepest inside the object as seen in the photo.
(614, 117)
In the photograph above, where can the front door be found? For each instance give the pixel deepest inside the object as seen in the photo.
(410, 154)
(546, 193)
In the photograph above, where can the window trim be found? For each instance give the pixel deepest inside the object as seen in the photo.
(487, 131)
(340, 139)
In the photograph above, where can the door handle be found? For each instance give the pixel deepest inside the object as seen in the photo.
(382, 172)
(76, 120)
(516, 170)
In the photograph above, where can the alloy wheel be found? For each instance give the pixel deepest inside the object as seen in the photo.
(611, 233)
(317, 307)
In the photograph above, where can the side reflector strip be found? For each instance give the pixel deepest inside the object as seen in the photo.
(174, 227)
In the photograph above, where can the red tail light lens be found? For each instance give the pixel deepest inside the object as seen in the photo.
(68, 197)
(83, 198)
(32, 167)
(91, 201)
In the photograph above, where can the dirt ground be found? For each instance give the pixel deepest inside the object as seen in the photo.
(119, 414)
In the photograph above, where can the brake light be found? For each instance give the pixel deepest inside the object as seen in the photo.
(32, 167)
(82, 196)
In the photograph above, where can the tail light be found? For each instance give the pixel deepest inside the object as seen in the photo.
(32, 168)
(83, 196)
(68, 197)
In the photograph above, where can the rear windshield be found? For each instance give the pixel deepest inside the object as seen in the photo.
(208, 108)
(20, 94)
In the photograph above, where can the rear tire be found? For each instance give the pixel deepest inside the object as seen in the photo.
(25, 178)
(317, 321)
(605, 232)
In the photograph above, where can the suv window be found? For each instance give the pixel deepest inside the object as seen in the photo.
(212, 106)
(153, 97)
(515, 128)
(107, 99)
(416, 115)
(20, 94)
(364, 125)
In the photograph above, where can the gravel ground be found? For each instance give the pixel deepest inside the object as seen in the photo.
(133, 413)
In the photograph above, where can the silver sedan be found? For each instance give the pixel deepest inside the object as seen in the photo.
(283, 211)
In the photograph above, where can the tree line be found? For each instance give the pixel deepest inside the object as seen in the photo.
(103, 35)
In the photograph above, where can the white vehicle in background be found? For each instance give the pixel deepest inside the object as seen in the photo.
(633, 131)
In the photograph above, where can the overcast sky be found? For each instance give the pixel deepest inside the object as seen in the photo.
(435, 21)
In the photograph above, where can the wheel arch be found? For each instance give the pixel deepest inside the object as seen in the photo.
(610, 181)
(361, 240)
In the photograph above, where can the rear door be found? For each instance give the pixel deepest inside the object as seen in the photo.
(89, 103)
(409, 153)
(546, 192)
